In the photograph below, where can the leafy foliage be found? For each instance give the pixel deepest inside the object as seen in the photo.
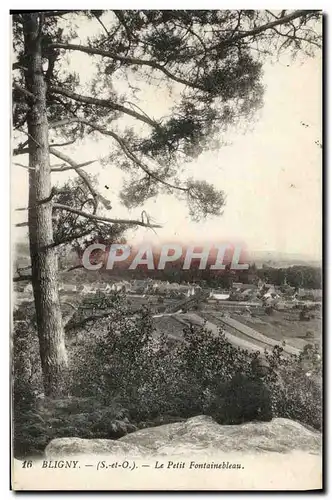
(123, 377)
(154, 379)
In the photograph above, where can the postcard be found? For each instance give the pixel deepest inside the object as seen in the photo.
(166, 230)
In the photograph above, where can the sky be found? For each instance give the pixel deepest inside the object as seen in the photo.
(272, 175)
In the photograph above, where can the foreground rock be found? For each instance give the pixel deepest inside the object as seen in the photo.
(197, 435)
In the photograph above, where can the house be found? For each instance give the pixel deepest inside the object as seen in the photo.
(287, 290)
(137, 286)
(87, 289)
(119, 286)
(104, 288)
(190, 292)
(184, 287)
(249, 286)
(283, 305)
(269, 295)
(160, 286)
(268, 288)
(244, 286)
(249, 292)
(174, 286)
(304, 293)
(237, 286)
(271, 299)
(219, 296)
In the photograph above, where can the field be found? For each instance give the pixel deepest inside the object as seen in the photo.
(249, 327)
(280, 325)
(284, 326)
(255, 330)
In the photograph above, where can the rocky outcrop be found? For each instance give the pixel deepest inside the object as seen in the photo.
(197, 435)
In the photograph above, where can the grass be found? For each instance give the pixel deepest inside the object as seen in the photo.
(280, 326)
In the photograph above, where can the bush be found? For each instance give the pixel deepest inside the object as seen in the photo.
(123, 377)
(151, 378)
(304, 315)
(26, 386)
(269, 310)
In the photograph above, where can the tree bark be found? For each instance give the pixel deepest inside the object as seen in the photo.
(43, 254)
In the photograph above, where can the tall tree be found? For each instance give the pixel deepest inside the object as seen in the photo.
(211, 62)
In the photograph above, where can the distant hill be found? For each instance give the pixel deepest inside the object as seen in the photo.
(281, 260)
(270, 258)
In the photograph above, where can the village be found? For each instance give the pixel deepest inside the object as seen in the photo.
(254, 316)
(260, 293)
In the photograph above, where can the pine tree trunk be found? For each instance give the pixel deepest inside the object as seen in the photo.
(43, 256)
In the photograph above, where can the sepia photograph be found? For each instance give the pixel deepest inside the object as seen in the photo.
(166, 205)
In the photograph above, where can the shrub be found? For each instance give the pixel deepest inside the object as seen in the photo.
(269, 310)
(26, 385)
(152, 378)
(123, 376)
(304, 315)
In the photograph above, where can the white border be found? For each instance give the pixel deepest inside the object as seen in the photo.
(4, 185)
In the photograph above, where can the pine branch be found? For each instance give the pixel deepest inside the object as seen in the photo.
(265, 27)
(124, 146)
(128, 60)
(17, 65)
(24, 91)
(61, 168)
(100, 218)
(69, 239)
(60, 145)
(64, 167)
(73, 268)
(96, 196)
(21, 151)
(94, 317)
(23, 166)
(22, 278)
(57, 13)
(104, 103)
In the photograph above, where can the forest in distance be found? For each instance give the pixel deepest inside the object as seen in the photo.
(299, 275)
